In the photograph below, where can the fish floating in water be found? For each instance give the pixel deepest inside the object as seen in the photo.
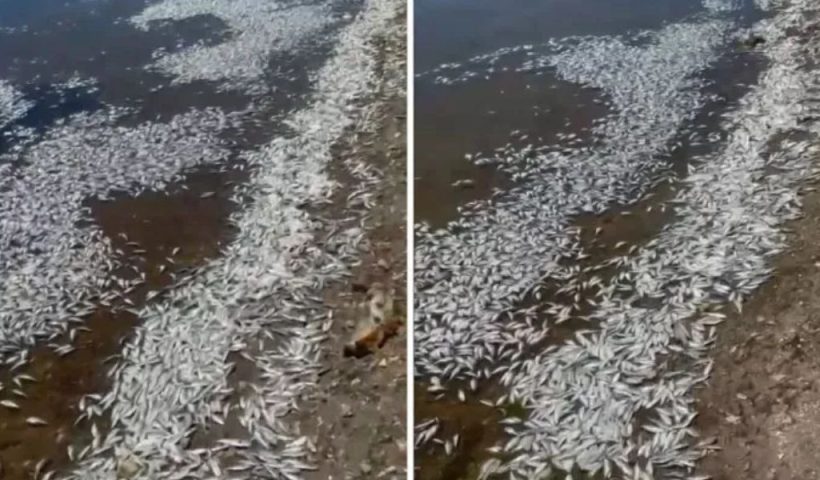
(583, 393)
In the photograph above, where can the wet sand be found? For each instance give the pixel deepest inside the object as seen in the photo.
(358, 415)
(762, 404)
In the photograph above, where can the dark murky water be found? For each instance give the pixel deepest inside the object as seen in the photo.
(478, 117)
(452, 30)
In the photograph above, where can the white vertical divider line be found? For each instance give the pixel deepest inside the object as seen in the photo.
(410, 243)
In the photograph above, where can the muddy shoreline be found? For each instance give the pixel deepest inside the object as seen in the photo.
(357, 418)
(762, 403)
(761, 406)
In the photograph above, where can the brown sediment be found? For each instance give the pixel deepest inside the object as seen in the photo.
(477, 425)
(193, 216)
(158, 223)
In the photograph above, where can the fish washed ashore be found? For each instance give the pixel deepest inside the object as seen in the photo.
(762, 402)
(207, 376)
(602, 379)
(261, 286)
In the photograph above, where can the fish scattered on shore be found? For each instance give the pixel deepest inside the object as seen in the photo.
(607, 399)
(260, 298)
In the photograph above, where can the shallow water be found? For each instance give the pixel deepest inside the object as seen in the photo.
(484, 100)
(479, 117)
(85, 57)
(452, 30)
(496, 108)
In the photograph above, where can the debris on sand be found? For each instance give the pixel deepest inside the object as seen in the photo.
(375, 328)
(754, 41)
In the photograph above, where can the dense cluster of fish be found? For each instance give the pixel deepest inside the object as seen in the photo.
(50, 264)
(716, 251)
(259, 298)
(485, 65)
(617, 396)
(721, 5)
(12, 104)
(470, 274)
(256, 29)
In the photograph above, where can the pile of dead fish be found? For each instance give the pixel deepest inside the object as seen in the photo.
(716, 251)
(260, 299)
(489, 259)
(608, 399)
(12, 103)
(51, 265)
(257, 30)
